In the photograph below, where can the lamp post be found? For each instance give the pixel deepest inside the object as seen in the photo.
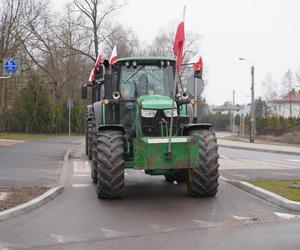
(252, 117)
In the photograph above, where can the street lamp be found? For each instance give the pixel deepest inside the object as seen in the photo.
(252, 118)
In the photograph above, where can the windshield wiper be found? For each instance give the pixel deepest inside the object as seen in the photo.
(135, 73)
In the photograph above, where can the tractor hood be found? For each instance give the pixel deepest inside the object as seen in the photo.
(155, 102)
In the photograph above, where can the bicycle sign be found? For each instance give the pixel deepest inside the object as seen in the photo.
(10, 66)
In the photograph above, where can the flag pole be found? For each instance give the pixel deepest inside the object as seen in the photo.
(169, 151)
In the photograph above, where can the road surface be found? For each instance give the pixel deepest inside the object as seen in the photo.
(154, 215)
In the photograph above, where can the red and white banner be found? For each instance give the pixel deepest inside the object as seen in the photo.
(97, 63)
(198, 65)
(178, 44)
(113, 56)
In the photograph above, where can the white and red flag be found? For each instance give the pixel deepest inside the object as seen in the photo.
(113, 56)
(178, 44)
(198, 65)
(97, 63)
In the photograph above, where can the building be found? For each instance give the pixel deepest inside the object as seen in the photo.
(288, 105)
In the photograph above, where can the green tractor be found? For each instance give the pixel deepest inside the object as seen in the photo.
(136, 123)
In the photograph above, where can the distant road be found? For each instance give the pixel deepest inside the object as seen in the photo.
(276, 158)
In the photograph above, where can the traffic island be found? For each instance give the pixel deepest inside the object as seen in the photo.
(35, 198)
(14, 196)
(286, 188)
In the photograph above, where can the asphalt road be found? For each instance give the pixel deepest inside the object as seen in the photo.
(247, 164)
(273, 158)
(154, 215)
(35, 162)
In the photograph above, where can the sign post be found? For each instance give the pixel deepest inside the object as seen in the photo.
(70, 106)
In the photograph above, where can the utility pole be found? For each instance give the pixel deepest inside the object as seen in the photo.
(252, 117)
(233, 105)
(252, 129)
(69, 116)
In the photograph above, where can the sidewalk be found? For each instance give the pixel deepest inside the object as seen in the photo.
(271, 148)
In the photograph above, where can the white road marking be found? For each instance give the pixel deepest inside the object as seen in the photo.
(64, 239)
(81, 175)
(292, 160)
(109, 233)
(241, 218)
(161, 228)
(202, 223)
(224, 157)
(287, 216)
(3, 196)
(223, 178)
(59, 238)
(81, 185)
(81, 167)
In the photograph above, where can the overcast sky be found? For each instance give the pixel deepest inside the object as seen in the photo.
(266, 31)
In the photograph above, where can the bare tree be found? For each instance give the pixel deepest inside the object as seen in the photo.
(93, 22)
(270, 88)
(126, 41)
(287, 82)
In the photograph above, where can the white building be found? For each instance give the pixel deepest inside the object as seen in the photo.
(287, 106)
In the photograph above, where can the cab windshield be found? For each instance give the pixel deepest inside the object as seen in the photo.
(146, 80)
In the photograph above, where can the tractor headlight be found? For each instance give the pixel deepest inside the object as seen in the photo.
(168, 112)
(148, 113)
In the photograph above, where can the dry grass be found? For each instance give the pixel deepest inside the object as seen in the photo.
(19, 195)
(290, 137)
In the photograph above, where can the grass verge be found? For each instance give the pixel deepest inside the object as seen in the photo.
(289, 189)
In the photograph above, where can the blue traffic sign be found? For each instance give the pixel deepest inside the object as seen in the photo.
(10, 66)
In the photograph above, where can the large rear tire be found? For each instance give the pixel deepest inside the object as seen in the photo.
(203, 180)
(111, 165)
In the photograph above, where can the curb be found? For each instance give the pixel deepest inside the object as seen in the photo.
(40, 200)
(31, 205)
(260, 149)
(265, 194)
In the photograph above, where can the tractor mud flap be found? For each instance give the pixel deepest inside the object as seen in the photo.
(150, 152)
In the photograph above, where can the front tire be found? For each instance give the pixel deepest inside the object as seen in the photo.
(111, 165)
(202, 181)
(94, 170)
(89, 140)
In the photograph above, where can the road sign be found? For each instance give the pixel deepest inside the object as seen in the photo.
(10, 66)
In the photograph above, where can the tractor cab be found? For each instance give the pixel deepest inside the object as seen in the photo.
(145, 87)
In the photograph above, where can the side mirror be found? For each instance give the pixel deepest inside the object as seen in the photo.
(195, 86)
(84, 92)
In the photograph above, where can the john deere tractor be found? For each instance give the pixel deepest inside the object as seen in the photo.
(135, 122)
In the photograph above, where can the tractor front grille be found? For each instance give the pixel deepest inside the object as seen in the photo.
(152, 126)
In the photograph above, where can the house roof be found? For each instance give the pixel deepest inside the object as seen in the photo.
(292, 97)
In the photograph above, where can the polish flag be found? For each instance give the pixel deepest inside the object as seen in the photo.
(98, 61)
(113, 56)
(198, 65)
(178, 44)
(91, 78)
